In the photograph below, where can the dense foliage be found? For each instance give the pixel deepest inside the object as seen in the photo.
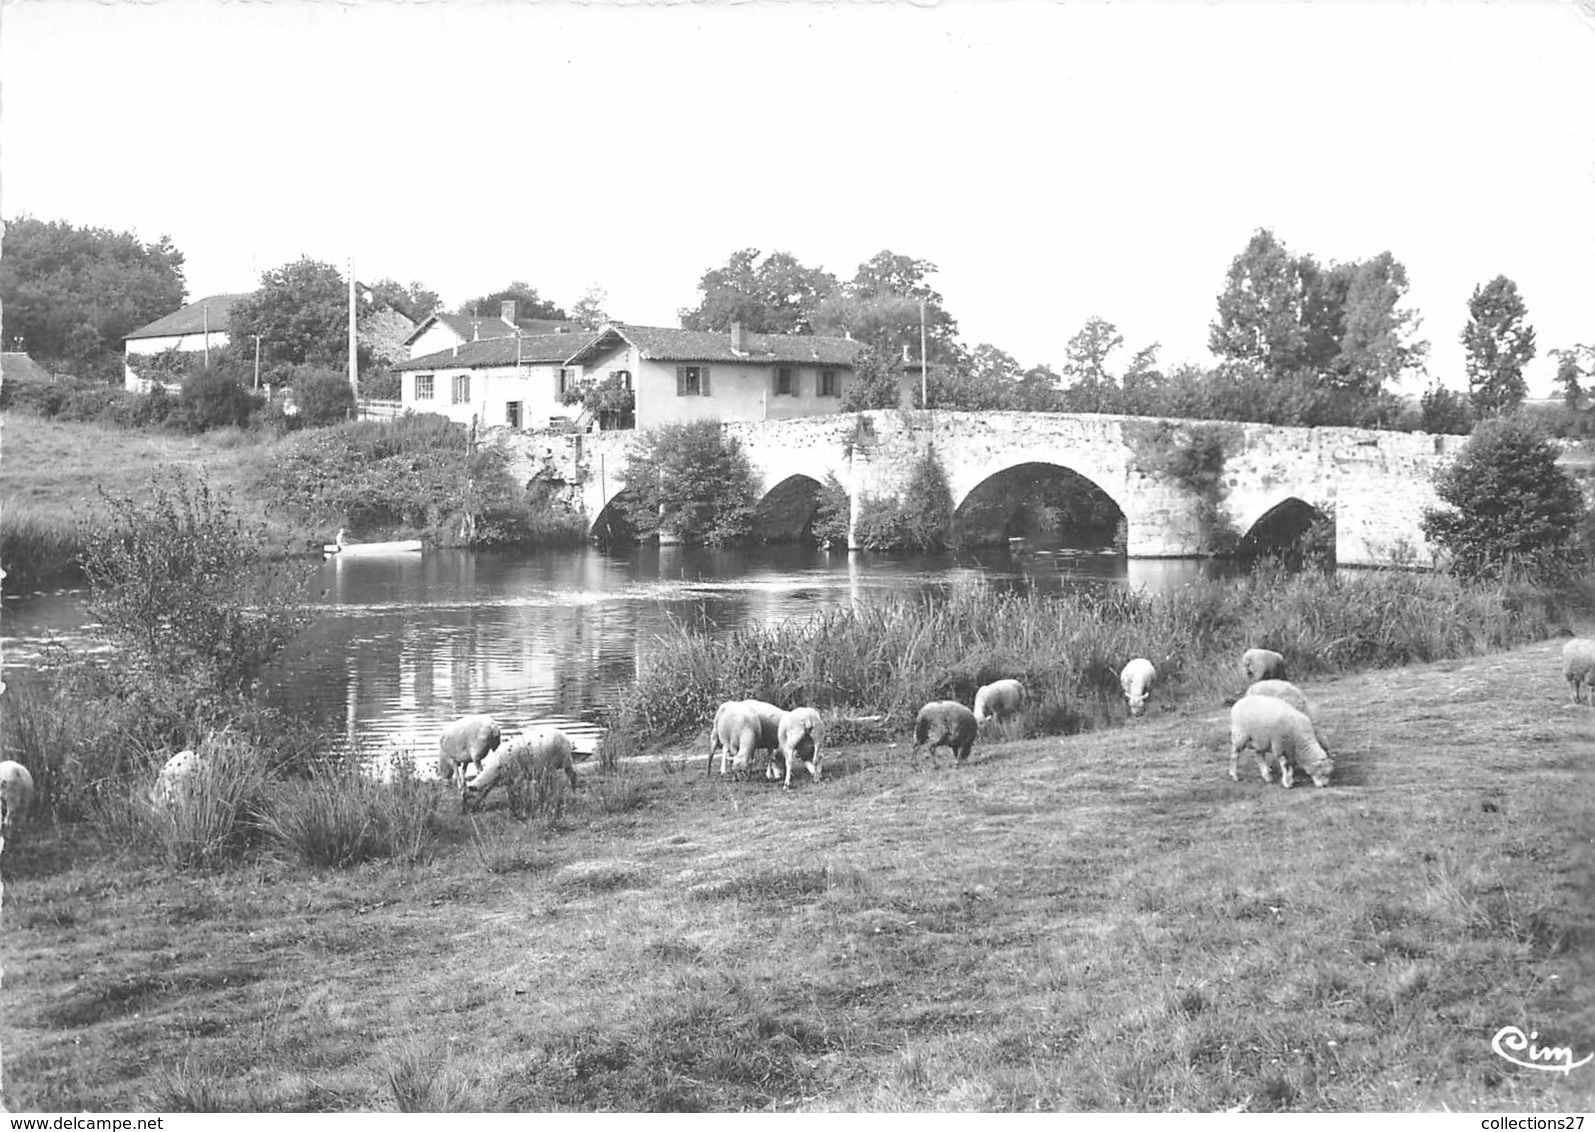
(187, 588)
(1510, 507)
(215, 397)
(69, 296)
(301, 313)
(772, 295)
(1499, 343)
(528, 303)
(919, 519)
(692, 481)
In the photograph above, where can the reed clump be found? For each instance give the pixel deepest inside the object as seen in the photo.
(887, 658)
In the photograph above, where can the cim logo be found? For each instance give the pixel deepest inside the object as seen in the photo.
(1510, 1041)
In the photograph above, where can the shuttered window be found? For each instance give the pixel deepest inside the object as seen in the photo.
(692, 381)
(462, 388)
(785, 386)
(829, 385)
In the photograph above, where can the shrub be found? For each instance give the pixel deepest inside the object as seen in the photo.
(1510, 505)
(323, 397)
(692, 480)
(187, 588)
(339, 815)
(831, 514)
(921, 519)
(214, 397)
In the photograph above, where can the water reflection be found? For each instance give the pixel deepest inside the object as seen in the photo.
(405, 644)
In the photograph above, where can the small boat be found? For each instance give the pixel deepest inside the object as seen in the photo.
(371, 549)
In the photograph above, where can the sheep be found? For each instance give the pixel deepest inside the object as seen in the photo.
(945, 723)
(799, 730)
(1578, 666)
(466, 742)
(527, 764)
(176, 778)
(1275, 731)
(1262, 664)
(740, 728)
(998, 700)
(1137, 679)
(1282, 690)
(16, 799)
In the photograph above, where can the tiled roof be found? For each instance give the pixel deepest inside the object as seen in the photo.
(191, 319)
(474, 328)
(20, 367)
(534, 349)
(664, 344)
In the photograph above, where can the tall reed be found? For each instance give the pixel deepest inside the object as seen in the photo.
(37, 546)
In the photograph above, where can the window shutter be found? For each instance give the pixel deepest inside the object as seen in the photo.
(681, 381)
(703, 381)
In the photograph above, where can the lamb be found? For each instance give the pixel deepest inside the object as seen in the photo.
(740, 728)
(1137, 680)
(1578, 666)
(466, 742)
(16, 799)
(526, 765)
(999, 700)
(1275, 731)
(1262, 664)
(1282, 690)
(799, 730)
(176, 778)
(945, 723)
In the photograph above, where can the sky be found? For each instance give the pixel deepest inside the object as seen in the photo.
(1055, 161)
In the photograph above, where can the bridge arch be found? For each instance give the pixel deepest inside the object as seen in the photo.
(785, 513)
(1038, 498)
(1292, 529)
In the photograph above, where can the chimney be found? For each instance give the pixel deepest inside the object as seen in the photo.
(506, 311)
(906, 358)
(736, 338)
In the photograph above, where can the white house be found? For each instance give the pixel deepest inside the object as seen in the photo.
(687, 375)
(510, 382)
(200, 325)
(446, 331)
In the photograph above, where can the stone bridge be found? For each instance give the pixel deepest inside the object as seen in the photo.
(1374, 484)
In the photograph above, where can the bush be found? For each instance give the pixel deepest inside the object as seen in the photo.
(187, 589)
(338, 815)
(921, 519)
(1510, 506)
(832, 512)
(692, 480)
(214, 397)
(323, 397)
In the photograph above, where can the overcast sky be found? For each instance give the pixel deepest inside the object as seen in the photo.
(1053, 160)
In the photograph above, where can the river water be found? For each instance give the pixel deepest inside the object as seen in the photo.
(406, 643)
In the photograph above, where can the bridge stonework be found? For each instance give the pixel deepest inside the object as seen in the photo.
(1375, 483)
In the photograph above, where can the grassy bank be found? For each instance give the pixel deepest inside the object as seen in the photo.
(1101, 922)
(881, 661)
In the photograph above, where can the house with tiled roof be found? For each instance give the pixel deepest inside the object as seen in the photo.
(514, 381)
(687, 375)
(445, 331)
(200, 325)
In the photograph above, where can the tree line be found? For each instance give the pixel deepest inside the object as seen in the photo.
(1297, 342)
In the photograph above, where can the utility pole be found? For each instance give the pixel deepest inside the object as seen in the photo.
(206, 310)
(924, 366)
(354, 369)
(257, 361)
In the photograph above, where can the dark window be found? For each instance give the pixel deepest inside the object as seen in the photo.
(692, 381)
(784, 386)
(829, 386)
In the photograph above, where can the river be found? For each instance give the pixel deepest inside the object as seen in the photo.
(406, 643)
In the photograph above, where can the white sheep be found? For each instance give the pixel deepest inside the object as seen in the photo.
(1578, 666)
(1137, 679)
(799, 731)
(16, 799)
(740, 728)
(1282, 690)
(945, 723)
(999, 699)
(530, 763)
(1276, 732)
(176, 778)
(1262, 664)
(465, 743)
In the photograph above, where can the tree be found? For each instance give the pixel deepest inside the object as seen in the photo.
(415, 302)
(70, 295)
(1092, 388)
(301, 313)
(1575, 367)
(1442, 410)
(691, 480)
(1375, 342)
(1262, 307)
(1510, 504)
(775, 295)
(875, 383)
(215, 397)
(589, 313)
(881, 306)
(528, 303)
(1499, 343)
(323, 396)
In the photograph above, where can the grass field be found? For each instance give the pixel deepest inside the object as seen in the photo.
(1100, 922)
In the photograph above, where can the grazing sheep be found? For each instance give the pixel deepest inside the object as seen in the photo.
(1275, 731)
(799, 731)
(998, 700)
(16, 799)
(1578, 666)
(525, 765)
(742, 727)
(1282, 690)
(176, 778)
(945, 723)
(1137, 680)
(1262, 664)
(466, 742)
